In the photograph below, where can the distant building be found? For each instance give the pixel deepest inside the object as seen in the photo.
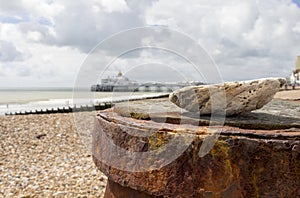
(295, 75)
(298, 63)
(297, 70)
(122, 83)
(116, 83)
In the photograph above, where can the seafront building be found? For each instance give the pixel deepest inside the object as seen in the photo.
(295, 75)
(297, 71)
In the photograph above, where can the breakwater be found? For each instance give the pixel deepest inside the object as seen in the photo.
(83, 107)
(68, 109)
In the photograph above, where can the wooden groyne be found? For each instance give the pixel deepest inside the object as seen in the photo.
(68, 109)
(81, 108)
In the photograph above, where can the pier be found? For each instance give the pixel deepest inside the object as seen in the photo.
(143, 87)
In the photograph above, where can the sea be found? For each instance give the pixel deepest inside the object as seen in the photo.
(21, 100)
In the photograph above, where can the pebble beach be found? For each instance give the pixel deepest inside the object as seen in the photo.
(42, 155)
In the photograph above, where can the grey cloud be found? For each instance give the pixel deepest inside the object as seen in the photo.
(139, 5)
(79, 27)
(35, 26)
(9, 53)
(228, 43)
(2, 74)
(24, 72)
(155, 73)
(255, 53)
(245, 38)
(10, 7)
(161, 50)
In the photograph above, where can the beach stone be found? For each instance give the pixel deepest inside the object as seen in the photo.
(233, 97)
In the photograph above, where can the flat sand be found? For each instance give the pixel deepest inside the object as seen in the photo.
(288, 94)
(43, 156)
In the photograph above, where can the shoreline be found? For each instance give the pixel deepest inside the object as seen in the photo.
(68, 104)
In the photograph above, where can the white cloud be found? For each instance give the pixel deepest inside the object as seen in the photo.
(34, 36)
(113, 6)
(46, 40)
(256, 38)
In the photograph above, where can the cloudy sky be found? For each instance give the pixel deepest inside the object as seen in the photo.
(44, 43)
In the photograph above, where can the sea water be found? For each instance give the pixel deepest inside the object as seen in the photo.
(16, 100)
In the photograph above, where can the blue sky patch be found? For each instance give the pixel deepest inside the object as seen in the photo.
(14, 19)
(44, 21)
(297, 2)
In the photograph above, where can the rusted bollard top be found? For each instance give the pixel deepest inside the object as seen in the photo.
(157, 153)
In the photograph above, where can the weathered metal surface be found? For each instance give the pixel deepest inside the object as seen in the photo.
(115, 190)
(242, 163)
(278, 114)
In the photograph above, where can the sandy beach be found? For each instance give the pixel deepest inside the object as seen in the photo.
(288, 94)
(42, 155)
